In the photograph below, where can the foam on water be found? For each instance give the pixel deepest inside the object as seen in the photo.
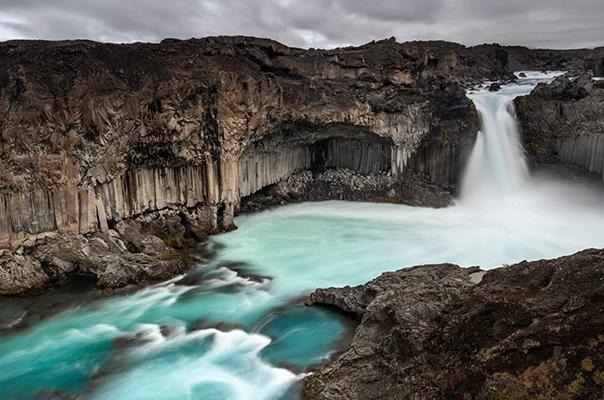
(227, 367)
(222, 334)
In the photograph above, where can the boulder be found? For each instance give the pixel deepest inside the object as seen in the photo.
(21, 274)
(494, 87)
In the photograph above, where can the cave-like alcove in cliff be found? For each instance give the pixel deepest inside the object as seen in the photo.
(278, 156)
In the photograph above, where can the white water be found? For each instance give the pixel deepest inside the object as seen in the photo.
(166, 341)
(497, 166)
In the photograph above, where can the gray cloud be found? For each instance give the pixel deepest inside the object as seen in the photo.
(311, 23)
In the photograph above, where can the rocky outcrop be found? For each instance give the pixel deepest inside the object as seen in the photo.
(527, 331)
(127, 254)
(93, 134)
(563, 123)
(346, 184)
(574, 61)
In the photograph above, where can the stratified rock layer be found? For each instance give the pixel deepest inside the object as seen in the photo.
(533, 330)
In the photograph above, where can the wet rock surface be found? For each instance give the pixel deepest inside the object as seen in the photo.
(494, 87)
(527, 331)
(346, 184)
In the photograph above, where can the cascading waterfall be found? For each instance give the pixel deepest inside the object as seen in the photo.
(497, 165)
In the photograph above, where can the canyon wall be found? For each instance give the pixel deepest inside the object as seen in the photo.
(261, 169)
(93, 133)
(364, 156)
(84, 210)
(171, 136)
(563, 123)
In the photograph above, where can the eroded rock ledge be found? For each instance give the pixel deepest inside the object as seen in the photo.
(151, 247)
(533, 330)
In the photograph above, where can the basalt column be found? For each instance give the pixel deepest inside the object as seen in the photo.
(273, 159)
(365, 156)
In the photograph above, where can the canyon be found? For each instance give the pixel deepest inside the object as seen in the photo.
(154, 170)
(115, 159)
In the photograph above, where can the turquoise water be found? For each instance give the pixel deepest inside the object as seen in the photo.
(207, 336)
(220, 334)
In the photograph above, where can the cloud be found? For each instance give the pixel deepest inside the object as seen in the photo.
(311, 23)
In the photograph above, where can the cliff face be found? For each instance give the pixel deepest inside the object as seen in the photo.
(563, 123)
(96, 134)
(529, 331)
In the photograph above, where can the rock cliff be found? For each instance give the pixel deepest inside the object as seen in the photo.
(563, 123)
(528, 331)
(179, 132)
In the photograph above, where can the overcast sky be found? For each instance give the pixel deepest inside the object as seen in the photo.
(311, 23)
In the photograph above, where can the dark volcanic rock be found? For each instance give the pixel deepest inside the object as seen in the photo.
(563, 123)
(113, 259)
(345, 184)
(573, 61)
(173, 135)
(529, 331)
(494, 87)
(93, 134)
(21, 274)
(566, 88)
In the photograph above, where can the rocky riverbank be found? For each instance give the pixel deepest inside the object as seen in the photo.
(527, 331)
(150, 248)
(345, 184)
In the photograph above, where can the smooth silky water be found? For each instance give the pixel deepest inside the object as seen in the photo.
(234, 328)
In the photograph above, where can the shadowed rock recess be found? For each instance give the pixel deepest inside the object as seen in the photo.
(533, 330)
(114, 159)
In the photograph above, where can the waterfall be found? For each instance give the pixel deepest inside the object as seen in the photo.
(497, 165)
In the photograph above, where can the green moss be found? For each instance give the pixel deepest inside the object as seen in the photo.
(170, 255)
(599, 377)
(549, 380)
(577, 385)
(587, 364)
(177, 240)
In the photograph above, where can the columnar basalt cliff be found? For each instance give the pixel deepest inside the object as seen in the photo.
(173, 135)
(563, 123)
(529, 331)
